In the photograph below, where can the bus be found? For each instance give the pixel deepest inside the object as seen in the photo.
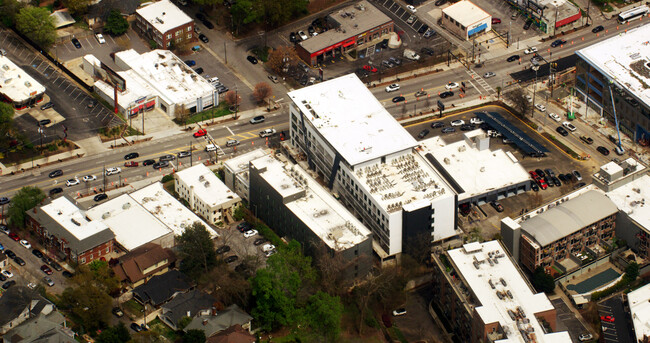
(635, 13)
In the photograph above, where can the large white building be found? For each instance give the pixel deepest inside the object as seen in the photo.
(206, 194)
(236, 173)
(466, 20)
(486, 298)
(639, 304)
(155, 79)
(17, 87)
(369, 161)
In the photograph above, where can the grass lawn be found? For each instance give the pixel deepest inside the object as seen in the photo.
(220, 111)
(133, 307)
(160, 328)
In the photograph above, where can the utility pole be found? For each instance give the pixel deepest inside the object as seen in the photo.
(191, 154)
(143, 123)
(225, 53)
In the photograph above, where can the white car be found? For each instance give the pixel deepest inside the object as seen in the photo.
(100, 38)
(411, 8)
(250, 233)
(72, 182)
(528, 98)
(302, 35)
(113, 171)
(540, 107)
(89, 178)
(399, 312)
(268, 247)
(476, 121)
(451, 85)
(554, 117)
(569, 126)
(267, 133)
(392, 88)
(457, 122)
(7, 274)
(25, 244)
(48, 281)
(31, 285)
(585, 337)
(530, 50)
(488, 75)
(269, 253)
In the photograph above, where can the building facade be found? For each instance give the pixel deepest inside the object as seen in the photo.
(550, 16)
(486, 298)
(466, 20)
(614, 70)
(236, 172)
(165, 24)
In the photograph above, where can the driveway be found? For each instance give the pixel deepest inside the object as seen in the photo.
(567, 321)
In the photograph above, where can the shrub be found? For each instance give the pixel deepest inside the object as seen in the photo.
(167, 178)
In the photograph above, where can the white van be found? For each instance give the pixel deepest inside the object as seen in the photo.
(210, 147)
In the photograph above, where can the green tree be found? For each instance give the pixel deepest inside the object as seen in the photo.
(196, 249)
(115, 334)
(542, 281)
(244, 12)
(37, 25)
(632, 271)
(281, 287)
(26, 198)
(6, 123)
(325, 312)
(8, 11)
(184, 322)
(208, 2)
(116, 24)
(77, 7)
(194, 336)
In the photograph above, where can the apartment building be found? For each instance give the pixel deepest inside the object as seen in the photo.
(485, 297)
(369, 162)
(165, 24)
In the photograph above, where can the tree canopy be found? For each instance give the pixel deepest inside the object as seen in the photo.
(115, 334)
(269, 12)
(77, 7)
(116, 24)
(37, 25)
(6, 123)
(8, 11)
(325, 312)
(196, 249)
(26, 198)
(542, 281)
(194, 336)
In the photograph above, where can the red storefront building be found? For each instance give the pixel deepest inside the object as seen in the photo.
(348, 29)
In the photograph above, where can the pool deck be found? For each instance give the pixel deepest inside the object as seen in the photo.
(590, 273)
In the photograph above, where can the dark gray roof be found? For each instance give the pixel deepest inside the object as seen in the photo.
(42, 329)
(76, 245)
(224, 319)
(17, 300)
(192, 302)
(569, 217)
(103, 8)
(161, 288)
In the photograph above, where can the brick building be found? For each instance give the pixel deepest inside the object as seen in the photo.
(485, 298)
(165, 24)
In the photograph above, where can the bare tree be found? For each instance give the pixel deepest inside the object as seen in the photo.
(518, 98)
(383, 286)
(232, 98)
(262, 91)
(281, 58)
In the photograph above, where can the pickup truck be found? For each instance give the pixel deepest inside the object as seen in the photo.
(587, 139)
(131, 164)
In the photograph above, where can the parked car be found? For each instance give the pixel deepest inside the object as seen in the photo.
(8, 284)
(130, 164)
(100, 197)
(302, 35)
(488, 75)
(4, 229)
(67, 274)
(160, 165)
(528, 24)
(569, 126)
(222, 249)
(370, 68)
(451, 85)
(587, 139)
(554, 117)
(577, 175)
(148, 162)
(37, 253)
(597, 29)
(166, 158)
(25, 244)
(513, 58)
(117, 312)
(100, 38)
(7, 274)
(251, 59)
(585, 336)
(534, 187)
(411, 8)
(45, 269)
(207, 24)
(476, 121)
(267, 133)
(562, 131)
(603, 150)
(423, 133)
(250, 233)
(430, 32)
(56, 190)
(76, 43)
(399, 312)
(496, 21)
(273, 78)
(10, 254)
(448, 130)
(112, 171)
(437, 124)
(184, 154)
(446, 94)
(558, 42)
(244, 226)
(231, 259)
(199, 70)
(540, 107)
(530, 50)
(190, 63)
(497, 206)
(259, 241)
(44, 107)
(4, 200)
(48, 281)
(135, 327)
(607, 318)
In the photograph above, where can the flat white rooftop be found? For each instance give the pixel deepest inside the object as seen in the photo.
(66, 214)
(351, 119)
(167, 209)
(639, 301)
(631, 198)
(240, 163)
(15, 83)
(476, 171)
(624, 58)
(165, 74)
(516, 307)
(131, 223)
(206, 186)
(466, 13)
(403, 180)
(164, 16)
(316, 208)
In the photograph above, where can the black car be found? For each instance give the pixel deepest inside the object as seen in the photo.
(148, 162)
(562, 178)
(497, 206)
(603, 150)
(223, 249)
(117, 312)
(200, 16)
(199, 70)
(244, 226)
(427, 51)
(56, 266)
(37, 253)
(527, 25)
(4, 201)
(3, 278)
(399, 99)
(440, 2)
(311, 30)
(45, 106)
(423, 133)
(448, 130)
(10, 254)
(190, 63)
(540, 172)
(159, 165)
(56, 190)
(19, 260)
(55, 173)
(467, 127)
(557, 43)
(252, 59)
(67, 274)
(231, 259)
(437, 124)
(513, 58)
(165, 158)
(259, 241)
(8, 284)
(100, 197)
(293, 38)
(423, 28)
(580, 185)
(534, 187)
(131, 155)
(562, 131)
(47, 260)
(207, 24)
(446, 94)
(76, 43)
(135, 327)
(569, 177)
(597, 29)
(203, 38)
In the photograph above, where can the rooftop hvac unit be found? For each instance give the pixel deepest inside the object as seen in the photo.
(206, 184)
(126, 206)
(201, 178)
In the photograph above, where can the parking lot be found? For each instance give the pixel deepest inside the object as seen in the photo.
(567, 321)
(484, 215)
(618, 329)
(249, 250)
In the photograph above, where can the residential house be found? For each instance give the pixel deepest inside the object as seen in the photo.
(18, 304)
(43, 328)
(162, 288)
(233, 334)
(188, 304)
(165, 24)
(213, 323)
(143, 263)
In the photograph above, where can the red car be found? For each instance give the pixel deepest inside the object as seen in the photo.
(607, 318)
(370, 68)
(533, 174)
(200, 133)
(131, 164)
(541, 183)
(14, 236)
(46, 270)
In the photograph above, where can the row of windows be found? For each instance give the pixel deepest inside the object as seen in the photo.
(99, 253)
